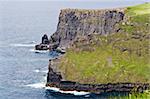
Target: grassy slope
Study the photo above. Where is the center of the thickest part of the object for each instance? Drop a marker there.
(121, 57)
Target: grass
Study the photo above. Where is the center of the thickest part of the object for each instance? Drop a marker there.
(139, 9)
(145, 95)
(104, 66)
(120, 57)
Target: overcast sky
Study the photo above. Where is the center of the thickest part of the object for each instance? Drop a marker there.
(79, 0)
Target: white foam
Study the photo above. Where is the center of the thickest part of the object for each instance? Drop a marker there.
(37, 70)
(53, 89)
(42, 71)
(37, 85)
(45, 78)
(77, 93)
(42, 85)
(23, 45)
(39, 51)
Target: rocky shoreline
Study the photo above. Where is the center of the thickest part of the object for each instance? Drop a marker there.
(55, 79)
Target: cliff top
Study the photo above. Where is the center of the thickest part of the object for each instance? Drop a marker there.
(140, 9)
(91, 10)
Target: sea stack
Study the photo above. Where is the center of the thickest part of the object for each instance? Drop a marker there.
(45, 39)
(44, 45)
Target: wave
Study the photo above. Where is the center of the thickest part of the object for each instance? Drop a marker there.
(76, 93)
(44, 71)
(41, 85)
(54, 89)
(39, 51)
(23, 45)
(38, 70)
(37, 85)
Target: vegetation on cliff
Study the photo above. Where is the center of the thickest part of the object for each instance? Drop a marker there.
(118, 57)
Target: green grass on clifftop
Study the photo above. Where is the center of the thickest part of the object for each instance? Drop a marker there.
(121, 57)
(140, 9)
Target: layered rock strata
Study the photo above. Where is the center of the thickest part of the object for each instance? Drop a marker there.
(55, 79)
(75, 23)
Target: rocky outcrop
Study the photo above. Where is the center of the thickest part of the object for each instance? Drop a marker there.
(74, 23)
(101, 88)
(55, 79)
(41, 47)
(44, 45)
(45, 39)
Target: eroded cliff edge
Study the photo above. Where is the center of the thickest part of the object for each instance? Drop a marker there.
(75, 23)
(112, 40)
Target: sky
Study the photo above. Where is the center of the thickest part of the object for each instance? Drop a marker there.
(77, 0)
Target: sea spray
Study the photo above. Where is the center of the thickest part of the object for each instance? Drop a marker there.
(77, 93)
(22, 45)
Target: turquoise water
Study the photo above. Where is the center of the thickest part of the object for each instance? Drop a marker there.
(22, 71)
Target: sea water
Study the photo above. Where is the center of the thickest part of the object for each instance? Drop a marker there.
(22, 23)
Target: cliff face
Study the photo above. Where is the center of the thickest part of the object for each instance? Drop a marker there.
(54, 79)
(73, 23)
(96, 63)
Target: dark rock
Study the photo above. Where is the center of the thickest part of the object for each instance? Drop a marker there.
(45, 39)
(44, 44)
(53, 46)
(42, 47)
(74, 22)
(53, 77)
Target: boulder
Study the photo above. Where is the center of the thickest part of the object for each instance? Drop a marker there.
(41, 47)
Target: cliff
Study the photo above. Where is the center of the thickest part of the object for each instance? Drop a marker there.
(109, 47)
(117, 57)
(54, 79)
(74, 23)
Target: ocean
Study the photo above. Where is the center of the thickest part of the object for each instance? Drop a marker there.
(22, 23)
